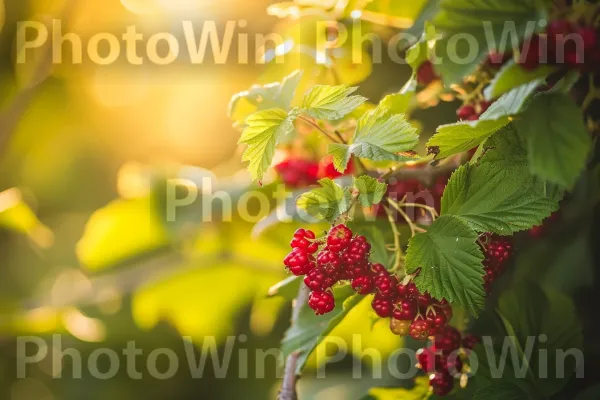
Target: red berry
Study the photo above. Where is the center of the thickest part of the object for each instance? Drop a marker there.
(377, 268)
(424, 300)
(419, 329)
(317, 279)
(465, 112)
(588, 36)
(386, 284)
(426, 73)
(426, 359)
(305, 239)
(530, 53)
(447, 340)
(557, 29)
(321, 302)
(441, 383)
(330, 262)
(404, 309)
(357, 269)
(437, 321)
(298, 172)
(363, 284)
(299, 262)
(382, 306)
(339, 238)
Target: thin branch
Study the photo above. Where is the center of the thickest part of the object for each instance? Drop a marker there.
(315, 125)
(288, 386)
(396, 232)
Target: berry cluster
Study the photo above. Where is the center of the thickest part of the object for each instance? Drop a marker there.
(559, 45)
(426, 73)
(497, 251)
(343, 257)
(298, 172)
(472, 112)
(442, 361)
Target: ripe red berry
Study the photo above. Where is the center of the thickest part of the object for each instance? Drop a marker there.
(400, 327)
(305, 239)
(382, 306)
(447, 340)
(321, 302)
(407, 291)
(465, 112)
(426, 359)
(299, 262)
(317, 279)
(386, 284)
(339, 238)
(530, 53)
(426, 73)
(298, 172)
(437, 321)
(419, 329)
(441, 383)
(330, 262)
(363, 284)
(404, 310)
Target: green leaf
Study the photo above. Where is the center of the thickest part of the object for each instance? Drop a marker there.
(501, 391)
(512, 75)
(262, 97)
(310, 329)
(418, 53)
(398, 103)
(449, 260)
(455, 138)
(327, 202)
(341, 155)
(380, 136)
(557, 139)
(498, 193)
(331, 102)
(527, 311)
(457, 18)
(371, 191)
(264, 129)
(462, 136)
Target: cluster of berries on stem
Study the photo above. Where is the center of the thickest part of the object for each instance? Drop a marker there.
(564, 42)
(297, 172)
(442, 360)
(497, 250)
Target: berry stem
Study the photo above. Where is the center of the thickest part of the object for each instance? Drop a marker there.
(315, 125)
(397, 248)
(413, 228)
